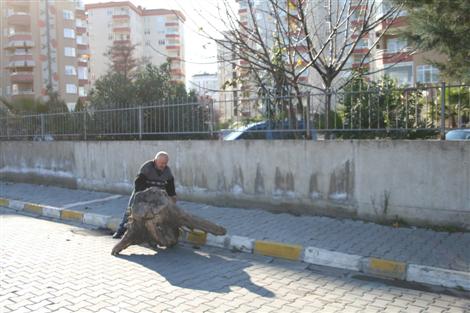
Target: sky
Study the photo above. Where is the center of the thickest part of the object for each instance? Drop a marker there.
(199, 14)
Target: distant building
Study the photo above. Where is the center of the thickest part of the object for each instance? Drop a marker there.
(391, 55)
(205, 84)
(227, 98)
(43, 43)
(158, 35)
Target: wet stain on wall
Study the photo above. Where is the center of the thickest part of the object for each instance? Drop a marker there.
(284, 182)
(342, 182)
(259, 180)
(221, 183)
(201, 180)
(237, 178)
(314, 190)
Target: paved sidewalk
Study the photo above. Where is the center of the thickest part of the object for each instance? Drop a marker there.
(442, 250)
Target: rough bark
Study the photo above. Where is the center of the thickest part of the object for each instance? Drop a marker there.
(155, 219)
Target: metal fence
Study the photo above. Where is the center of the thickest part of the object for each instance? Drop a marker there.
(424, 112)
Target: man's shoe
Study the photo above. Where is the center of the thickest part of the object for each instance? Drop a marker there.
(119, 233)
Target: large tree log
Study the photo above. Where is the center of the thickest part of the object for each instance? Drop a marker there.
(157, 220)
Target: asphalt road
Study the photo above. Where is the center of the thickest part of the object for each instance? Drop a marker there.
(48, 266)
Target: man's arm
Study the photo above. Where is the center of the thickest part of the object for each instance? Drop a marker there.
(170, 189)
(140, 183)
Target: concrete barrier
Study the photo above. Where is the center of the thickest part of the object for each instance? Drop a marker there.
(420, 182)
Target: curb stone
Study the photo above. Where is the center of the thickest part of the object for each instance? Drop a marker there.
(311, 255)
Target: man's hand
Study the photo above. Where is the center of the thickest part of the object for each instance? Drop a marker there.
(173, 199)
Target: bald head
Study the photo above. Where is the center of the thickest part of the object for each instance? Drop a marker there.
(161, 160)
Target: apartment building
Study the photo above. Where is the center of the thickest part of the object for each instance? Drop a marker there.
(392, 55)
(234, 73)
(157, 34)
(227, 97)
(205, 84)
(43, 43)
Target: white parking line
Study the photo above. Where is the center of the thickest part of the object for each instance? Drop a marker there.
(67, 206)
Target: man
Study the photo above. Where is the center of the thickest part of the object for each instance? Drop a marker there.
(153, 173)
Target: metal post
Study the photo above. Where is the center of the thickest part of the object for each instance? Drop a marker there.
(307, 118)
(211, 117)
(42, 126)
(140, 123)
(8, 129)
(443, 110)
(84, 124)
(406, 108)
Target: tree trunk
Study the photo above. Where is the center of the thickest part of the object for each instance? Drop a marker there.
(155, 219)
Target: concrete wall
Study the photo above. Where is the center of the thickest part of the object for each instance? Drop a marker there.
(421, 182)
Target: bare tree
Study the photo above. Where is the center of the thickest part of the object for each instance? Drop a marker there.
(289, 46)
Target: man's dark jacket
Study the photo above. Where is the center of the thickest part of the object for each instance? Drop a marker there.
(150, 176)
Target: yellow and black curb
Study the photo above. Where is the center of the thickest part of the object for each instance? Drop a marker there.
(370, 265)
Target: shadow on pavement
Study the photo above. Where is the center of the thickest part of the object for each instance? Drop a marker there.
(186, 268)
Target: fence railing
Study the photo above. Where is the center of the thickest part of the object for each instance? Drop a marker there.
(424, 112)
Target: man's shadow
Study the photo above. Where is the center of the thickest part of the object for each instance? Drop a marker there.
(187, 268)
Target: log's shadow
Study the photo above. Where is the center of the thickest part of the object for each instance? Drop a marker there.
(186, 268)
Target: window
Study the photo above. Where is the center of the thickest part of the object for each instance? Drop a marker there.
(160, 25)
(82, 73)
(172, 30)
(69, 33)
(69, 52)
(71, 88)
(68, 15)
(70, 70)
(80, 40)
(362, 43)
(395, 45)
(110, 36)
(21, 52)
(427, 74)
(173, 42)
(402, 74)
(82, 92)
(71, 106)
(161, 42)
(109, 12)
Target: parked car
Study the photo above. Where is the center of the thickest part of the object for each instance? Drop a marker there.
(458, 134)
(268, 130)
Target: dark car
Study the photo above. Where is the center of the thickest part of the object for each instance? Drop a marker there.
(458, 134)
(268, 130)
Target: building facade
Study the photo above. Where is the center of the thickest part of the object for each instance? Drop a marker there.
(158, 35)
(205, 84)
(391, 55)
(44, 45)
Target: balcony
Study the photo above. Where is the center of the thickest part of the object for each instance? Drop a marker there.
(20, 36)
(174, 47)
(24, 63)
(122, 42)
(121, 16)
(83, 49)
(392, 56)
(14, 44)
(83, 61)
(22, 93)
(121, 29)
(22, 77)
(19, 18)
